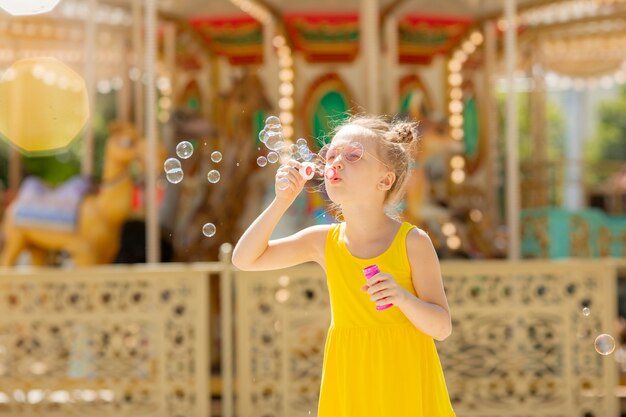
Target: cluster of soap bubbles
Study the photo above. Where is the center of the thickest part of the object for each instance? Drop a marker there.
(214, 175)
(173, 169)
(279, 149)
(174, 174)
(604, 343)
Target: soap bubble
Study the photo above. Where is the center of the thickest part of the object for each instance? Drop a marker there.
(261, 161)
(171, 164)
(209, 230)
(174, 176)
(274, 128)
(213, 176)
(308, 156)
(263, 136)
(586, 311)
(605, 344)
(284, 154)
(272, 121)
(282, 184)
(184, 149)
(274, 140)
(272, 157)
(216, 156)
(301, 143)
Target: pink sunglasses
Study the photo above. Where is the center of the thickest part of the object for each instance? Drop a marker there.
(352, 152)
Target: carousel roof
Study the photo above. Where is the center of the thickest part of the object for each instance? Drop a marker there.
(474, 9)
(575, 35)
(328, 30)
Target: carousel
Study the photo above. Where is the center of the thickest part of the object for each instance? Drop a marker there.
(134, 131)
(211, 75)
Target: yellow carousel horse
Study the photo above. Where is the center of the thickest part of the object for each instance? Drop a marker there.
(86, 226)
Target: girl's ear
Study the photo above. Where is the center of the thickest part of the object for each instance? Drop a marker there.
(387, 181)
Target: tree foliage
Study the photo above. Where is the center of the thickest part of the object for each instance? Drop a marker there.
(610, 141)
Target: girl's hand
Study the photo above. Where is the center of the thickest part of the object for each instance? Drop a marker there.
(289, 182)
(385, 290)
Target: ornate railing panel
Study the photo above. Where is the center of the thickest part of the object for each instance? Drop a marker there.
(282, 318)
(520, 346)
(104, 342)
(555, 233)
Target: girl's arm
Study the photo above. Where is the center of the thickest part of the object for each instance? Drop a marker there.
(255, 251)
(430, 312)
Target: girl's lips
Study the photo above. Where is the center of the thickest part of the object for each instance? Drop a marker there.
(332, 175)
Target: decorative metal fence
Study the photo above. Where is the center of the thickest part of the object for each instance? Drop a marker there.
(104, 342)
(520, 346)
(133, 341)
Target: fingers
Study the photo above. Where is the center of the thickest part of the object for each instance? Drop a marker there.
(379, 281)
(291, 171)
(381, 295)
(289, 182)
(384, 286)
(384, 290)
(286, 175)
(293, 163)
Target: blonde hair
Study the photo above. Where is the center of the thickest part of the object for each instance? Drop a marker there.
(396, 141)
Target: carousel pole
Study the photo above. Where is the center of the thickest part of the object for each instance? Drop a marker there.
(90, 82)
(138, 52)
(493, 158)
(538, 112)
(169, 49)
(123, 94)
(270, 61)
(152, 216)
(390, 28)
(391, 62)
(15, 157)
(512, 135)
(369, 44)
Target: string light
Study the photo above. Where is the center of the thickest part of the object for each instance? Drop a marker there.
(286, 88)
(254, 9)
(565, 82)
(457, 162)
(565, 11)
(459, 56)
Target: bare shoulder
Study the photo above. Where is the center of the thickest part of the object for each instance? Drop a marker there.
(418, 240)
(420, 249)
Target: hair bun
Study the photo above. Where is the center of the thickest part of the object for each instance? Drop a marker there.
(405, 132)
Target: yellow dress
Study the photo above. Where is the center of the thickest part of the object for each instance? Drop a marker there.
(376, 363)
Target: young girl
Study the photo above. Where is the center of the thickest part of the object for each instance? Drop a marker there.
(378, 362)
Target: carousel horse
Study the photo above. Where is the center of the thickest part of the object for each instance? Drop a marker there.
(85, 225)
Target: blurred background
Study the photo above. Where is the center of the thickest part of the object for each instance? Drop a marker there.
(133, 154)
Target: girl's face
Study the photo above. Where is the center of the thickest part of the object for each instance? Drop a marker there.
(353, 167)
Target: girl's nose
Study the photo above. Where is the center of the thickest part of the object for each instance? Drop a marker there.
(338, 162)
(338, 166)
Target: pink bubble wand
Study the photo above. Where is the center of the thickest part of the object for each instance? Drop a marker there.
(369, 272)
